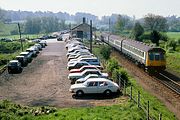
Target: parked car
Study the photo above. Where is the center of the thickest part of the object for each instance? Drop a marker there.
(27, 55)
(6, 40)
(81, 80)
(14, 66)
(22, 60)
(94, 86)
(76, 65)
(38, 46)
(33, 51)
(74, 76)
(78, 57)
(90, 60)
(76, 52)
(60, 38)
(77, 48)
(83, 68)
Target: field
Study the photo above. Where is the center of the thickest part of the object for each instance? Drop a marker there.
(175, 35)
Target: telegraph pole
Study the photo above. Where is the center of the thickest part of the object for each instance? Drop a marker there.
(20, 36)
(91, 36)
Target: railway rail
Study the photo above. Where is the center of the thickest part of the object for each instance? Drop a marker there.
(169, 82)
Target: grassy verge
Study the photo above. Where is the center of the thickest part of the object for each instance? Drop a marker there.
(173, 60)
(124, 111)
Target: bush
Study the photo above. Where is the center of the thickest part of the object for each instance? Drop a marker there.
(105, 51)
(171, 44)
(111, 65)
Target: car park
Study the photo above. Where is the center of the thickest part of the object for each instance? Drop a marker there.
(14, 66)
(74, 76)
(95, 86)
(60, 38)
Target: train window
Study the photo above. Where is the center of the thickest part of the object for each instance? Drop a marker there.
(151, 56)
(157, 57)
(162, 56)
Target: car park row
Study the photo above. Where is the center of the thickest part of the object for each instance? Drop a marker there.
(85, 71)
(22, 60)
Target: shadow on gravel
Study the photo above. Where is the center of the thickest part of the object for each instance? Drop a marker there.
(97, 96)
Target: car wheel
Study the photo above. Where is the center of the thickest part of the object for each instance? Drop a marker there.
(79, 93)
(107, 92)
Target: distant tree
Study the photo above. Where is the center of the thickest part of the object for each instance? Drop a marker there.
(137, 31)
(122, 23)
(2, 15)
(50, 24)
(155, 22)
(33, 26)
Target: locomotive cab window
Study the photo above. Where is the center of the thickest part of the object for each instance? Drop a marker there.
(157, 56)
(151, 56)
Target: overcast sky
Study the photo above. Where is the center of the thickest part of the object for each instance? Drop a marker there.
(139, 8)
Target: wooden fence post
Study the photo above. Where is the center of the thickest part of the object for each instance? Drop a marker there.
(119, 77)
(131, 93)
(124, 87)
(138, 101)
(160, 116)
(148, 111)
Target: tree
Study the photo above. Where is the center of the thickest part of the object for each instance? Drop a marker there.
(137, 31)
(155, 22)
(2, 15)
(123, 22)
(155, 37)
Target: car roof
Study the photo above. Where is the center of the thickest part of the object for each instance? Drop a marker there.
(24, 53)
(98, 79)
(20, 56)
(14, 61)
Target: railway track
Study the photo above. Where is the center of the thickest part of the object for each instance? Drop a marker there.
(169, 82)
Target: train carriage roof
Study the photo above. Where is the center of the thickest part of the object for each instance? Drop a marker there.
(142, 46)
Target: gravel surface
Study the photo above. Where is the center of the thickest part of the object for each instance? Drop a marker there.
(44, 82)
(167, 96)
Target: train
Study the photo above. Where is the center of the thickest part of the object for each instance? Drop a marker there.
(151, 58)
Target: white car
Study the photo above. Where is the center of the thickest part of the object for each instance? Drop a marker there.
(74, 76)
(76, 51)
(81, 80)
(71, 56)
(78, 57)
(95, 85)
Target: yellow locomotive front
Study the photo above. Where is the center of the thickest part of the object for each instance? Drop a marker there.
(155, 60)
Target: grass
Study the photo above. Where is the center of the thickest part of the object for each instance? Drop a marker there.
(16, 37)
(175, 35)
(173, 60)
(125, 111)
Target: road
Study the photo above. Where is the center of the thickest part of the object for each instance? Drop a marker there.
(44, 82)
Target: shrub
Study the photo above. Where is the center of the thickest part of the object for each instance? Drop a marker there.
(111, 65)
(105, 51)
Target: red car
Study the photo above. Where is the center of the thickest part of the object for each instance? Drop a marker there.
(83, 68)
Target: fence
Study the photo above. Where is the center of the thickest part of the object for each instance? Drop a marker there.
(141, 102)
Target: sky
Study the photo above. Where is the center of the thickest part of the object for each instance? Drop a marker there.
(138, 8)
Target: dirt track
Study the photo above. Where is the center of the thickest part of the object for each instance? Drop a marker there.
(44, 82)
